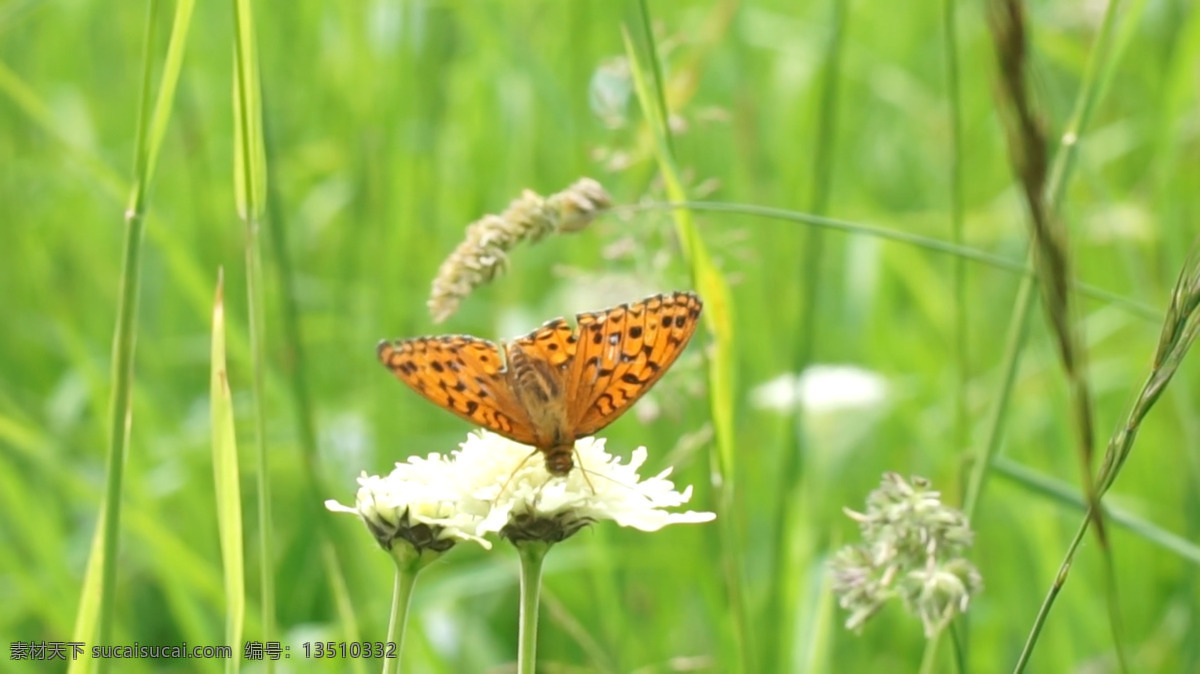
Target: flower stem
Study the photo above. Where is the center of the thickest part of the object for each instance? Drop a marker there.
(532, 553)
(406, 579)
(929, 657)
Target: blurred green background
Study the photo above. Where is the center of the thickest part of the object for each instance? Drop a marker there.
(391, 125)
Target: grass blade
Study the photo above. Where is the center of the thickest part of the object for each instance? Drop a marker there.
(295, 370)
(1061, 492)
(1044, 188)
(793, 542)
(227, 482)
(1139, 309)
(95, 617)
(249, 186)
(718, 317)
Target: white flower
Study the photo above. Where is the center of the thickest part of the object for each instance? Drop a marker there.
(525, 501)
(493, 484)
(419, 502)
(822, 389)
(838, 404)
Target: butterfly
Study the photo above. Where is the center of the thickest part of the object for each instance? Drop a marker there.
(556, 384)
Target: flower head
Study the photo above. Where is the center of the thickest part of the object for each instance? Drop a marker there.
(524, 502)
(495, 485)
(823, 389)
(419, 503)
(912, 549)
(838, 404)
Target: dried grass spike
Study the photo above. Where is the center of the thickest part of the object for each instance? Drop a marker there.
(578, 205)
(529, 217)
(483, 254)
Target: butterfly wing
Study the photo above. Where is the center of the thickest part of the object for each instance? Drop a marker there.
(621, 352)
(464, 375)
(553, 343)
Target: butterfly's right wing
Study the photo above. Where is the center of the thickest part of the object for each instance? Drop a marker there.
(462, 374)
(623, 351)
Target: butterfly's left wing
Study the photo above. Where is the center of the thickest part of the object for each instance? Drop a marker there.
(464, 375)
(621, 353)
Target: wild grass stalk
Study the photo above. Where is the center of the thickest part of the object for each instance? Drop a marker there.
(249, 187)
(1180, 328)
(1042, 186)
(95, 615)
(788, 566)
(1027, 143)
(718, 315)
(955, 192)
(1060, 492)
(962, 362)
(295, 369)
(1058, 175)
(1134, 307)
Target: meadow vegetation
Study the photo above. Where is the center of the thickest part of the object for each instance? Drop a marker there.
(860, 195)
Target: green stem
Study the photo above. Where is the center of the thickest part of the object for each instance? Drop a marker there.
(1097, 72)
(929, 657)
(788, 568)
(258, 366)
(532, 554)
(124, 341)
(1014, 343)
(406, 580)
(1044, 611)
(709, 280)
(248, 180)
(959, 284)
(907, 238)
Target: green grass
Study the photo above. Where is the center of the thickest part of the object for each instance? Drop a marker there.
(390, 126)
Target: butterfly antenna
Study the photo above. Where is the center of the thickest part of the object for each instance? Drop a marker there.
(583, 471)
(610, 479)
(511, 475)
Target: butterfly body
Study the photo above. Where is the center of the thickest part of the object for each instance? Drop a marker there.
(538, 387)
(557, 384)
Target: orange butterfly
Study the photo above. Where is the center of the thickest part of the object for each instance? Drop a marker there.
(555, 384)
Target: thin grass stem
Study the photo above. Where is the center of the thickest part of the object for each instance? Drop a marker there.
(1095, 76)
(713, 287)
(788, 569)
(120, 418)
(1135, 308)
(958, 284)
(1062, 493)
(959, 270)
(295, 370)
(249, 182)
